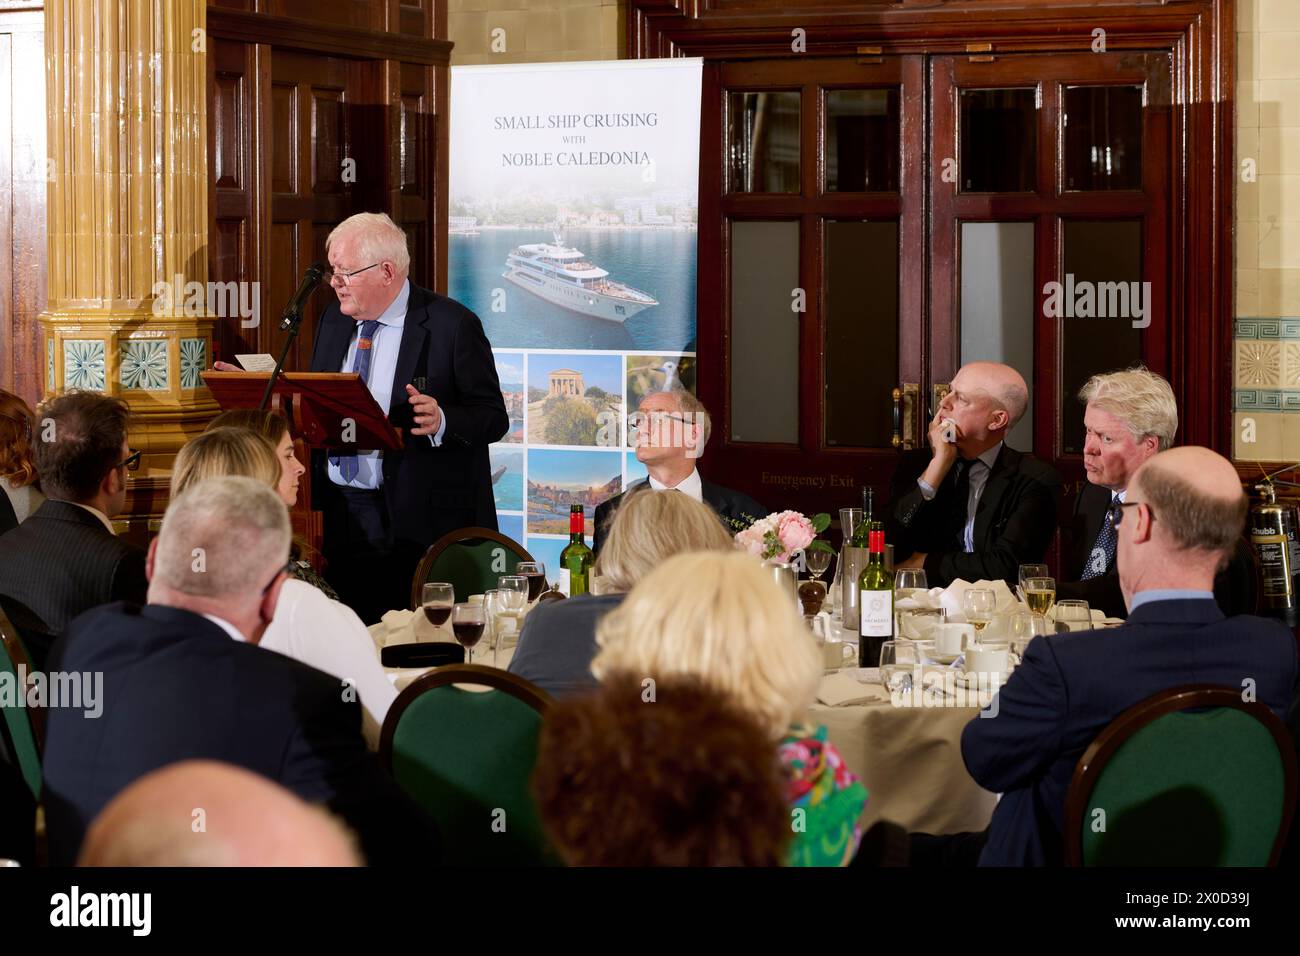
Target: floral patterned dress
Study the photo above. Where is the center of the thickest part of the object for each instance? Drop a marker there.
(826, 833)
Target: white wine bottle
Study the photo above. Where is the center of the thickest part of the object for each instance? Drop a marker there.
(875, 601)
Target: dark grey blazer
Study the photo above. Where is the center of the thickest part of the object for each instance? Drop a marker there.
(730, 506)
(58, 563)
(558, 643)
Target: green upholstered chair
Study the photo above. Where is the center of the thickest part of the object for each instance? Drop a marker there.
(22, 725)
(469, 559)
(467, 757)
(1193, 776)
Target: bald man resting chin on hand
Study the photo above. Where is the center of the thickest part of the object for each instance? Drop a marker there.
(972, 507)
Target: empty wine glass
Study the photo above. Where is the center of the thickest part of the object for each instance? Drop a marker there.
(978, 604)
(467, 622)
(818, 562)
(437, 598)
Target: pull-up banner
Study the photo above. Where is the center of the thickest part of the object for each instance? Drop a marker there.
(574, 207)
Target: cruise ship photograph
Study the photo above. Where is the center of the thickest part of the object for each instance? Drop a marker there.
(562, 275)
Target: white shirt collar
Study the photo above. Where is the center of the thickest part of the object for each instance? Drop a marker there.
(229, 628)
(98, 514)
(692, 486)
(395, 314)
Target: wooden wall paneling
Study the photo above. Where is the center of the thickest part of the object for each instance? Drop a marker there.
(23, 252)
(1187, 246)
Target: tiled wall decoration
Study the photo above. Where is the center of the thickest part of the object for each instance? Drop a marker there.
(83, 364)
(194, 359)
(1266, 393)
(144, 364)
(1266, 386)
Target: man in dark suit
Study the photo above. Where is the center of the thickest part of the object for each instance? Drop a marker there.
(1183, 513)
(183, 678)
(672, 429)
(8, 517)
(429, 366)
(1130, 416)
(971, 507)
(65, 558)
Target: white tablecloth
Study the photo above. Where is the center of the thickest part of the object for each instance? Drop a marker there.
(909, 758)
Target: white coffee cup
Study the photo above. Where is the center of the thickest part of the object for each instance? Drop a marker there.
(837, 654)
(951, 638)
(988, 661)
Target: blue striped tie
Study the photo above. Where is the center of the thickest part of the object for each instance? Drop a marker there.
(348, 464)
(1102, 555)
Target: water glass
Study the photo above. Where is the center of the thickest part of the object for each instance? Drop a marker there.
(897, 661)
(1073, 616)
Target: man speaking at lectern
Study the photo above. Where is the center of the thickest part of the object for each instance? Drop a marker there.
(428, 364)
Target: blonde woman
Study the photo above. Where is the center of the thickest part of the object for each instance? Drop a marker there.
(274, 428)
(308, 626)
(559, 639)
(722, 619)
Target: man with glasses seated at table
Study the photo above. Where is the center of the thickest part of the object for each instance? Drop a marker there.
(672, 429)
(970, 506)
(1131, 415)
(1183, 513)
(66, 558)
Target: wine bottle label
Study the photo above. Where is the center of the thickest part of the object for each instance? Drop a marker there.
(876, 613)
(564, 581)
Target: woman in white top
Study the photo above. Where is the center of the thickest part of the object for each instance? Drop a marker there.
(308, 626)
(17, 466)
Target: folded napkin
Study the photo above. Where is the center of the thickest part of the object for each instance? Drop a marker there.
(842, 690)
(406, 627)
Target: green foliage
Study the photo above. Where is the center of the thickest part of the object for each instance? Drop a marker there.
(570, 421)
(595, 391)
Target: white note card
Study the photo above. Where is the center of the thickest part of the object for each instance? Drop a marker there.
(257, 363)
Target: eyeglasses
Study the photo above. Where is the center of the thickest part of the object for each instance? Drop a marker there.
(132, 462)
(1117, 512)
(637, 419)
(290, 566)
(345, 278)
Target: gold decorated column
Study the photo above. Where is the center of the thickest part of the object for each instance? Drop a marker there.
(127, 192)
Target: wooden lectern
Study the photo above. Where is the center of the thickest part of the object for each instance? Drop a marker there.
(331, 410)
(324, 409)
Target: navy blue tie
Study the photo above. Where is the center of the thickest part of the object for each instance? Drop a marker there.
(348, 464)
(1102, 555)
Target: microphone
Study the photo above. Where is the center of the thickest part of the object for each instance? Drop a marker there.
(292, 314)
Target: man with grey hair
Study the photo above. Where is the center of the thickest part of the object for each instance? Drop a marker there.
(1129, 417)
(428, 364)
(970, 506)
(183, 678)
(672, 429)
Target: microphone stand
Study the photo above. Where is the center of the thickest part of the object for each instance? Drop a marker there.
(293, 316)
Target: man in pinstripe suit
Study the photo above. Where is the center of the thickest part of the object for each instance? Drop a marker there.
(65, 558)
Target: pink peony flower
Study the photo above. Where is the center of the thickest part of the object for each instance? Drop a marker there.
(795, 531)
